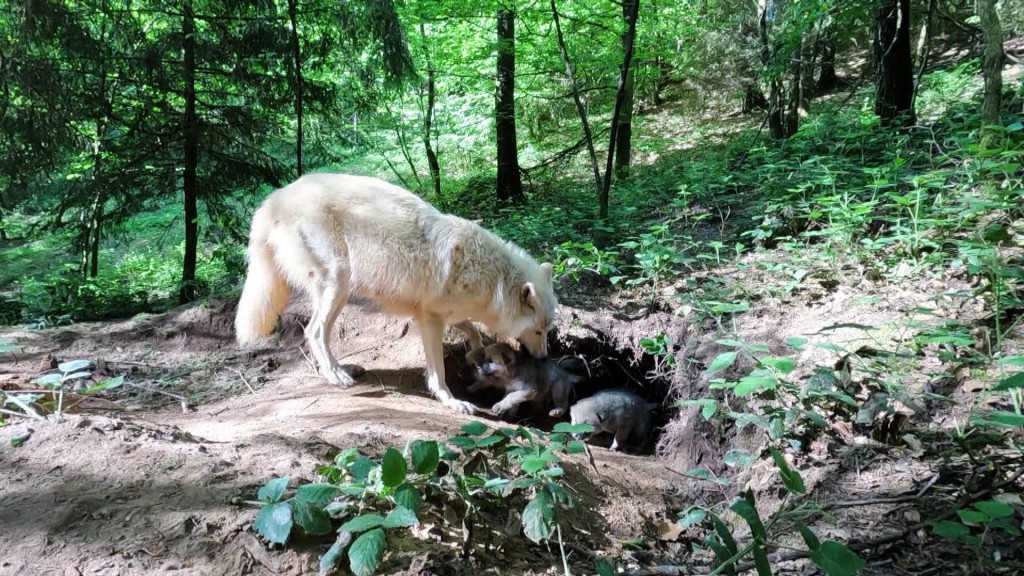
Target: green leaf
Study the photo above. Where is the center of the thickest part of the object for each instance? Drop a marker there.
(106, 384)
(790, 478)
(360, 468)
(425, 456)
(994, 509)
(723, 533)
(462, 442)
(731, 343)
(409, 497)
(273, 491)
(49, 380)
(951, 530)
(1012, 361)
(330, 558)
(566, 428)
(533, 465)
(393, 468)
(604, 567)
(575, 447)
(1010, 383)
(274, 522)
(835, 559)
(362, 523)
(745, 508)
(692, 517)
(999, 418)
(316, 494)
(310, 518)
(783, 364)
(400, 517)
(490, 440)
(755, 382)
(723, 361)
(797, 343)
(73, 366)
(366, 552)
(810, 538)
(854, 325)
(538, 517)
(972, 517)
(474, 428)
(708, 406)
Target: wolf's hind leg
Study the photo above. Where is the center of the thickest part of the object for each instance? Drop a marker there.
(432, 332)
(328, 301)
(472, 334)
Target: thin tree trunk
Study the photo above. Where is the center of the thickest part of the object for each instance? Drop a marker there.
(924, 49)
(624, 135)
(894, 97)
(571, 73)
(509, 182)
(828, 80)
(190, 130)
(298, 82)
(620, 97)
(808, 61)
(991, 61)
(428, 121)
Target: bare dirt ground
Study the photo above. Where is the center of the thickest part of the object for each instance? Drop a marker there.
(142, 481)
(148, 479)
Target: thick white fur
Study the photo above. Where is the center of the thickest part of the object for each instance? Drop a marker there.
(334, 236)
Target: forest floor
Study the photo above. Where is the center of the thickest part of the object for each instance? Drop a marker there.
(148, 478)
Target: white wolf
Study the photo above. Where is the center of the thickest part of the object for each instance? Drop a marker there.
(335, 236)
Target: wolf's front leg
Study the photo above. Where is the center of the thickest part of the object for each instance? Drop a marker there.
(510, 403)
(432, 332)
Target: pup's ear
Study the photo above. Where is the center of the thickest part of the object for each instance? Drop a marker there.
(547, 270)
(600, 417)
(528, 295)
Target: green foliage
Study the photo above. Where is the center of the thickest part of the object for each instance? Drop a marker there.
(71, 376)
(480, 472)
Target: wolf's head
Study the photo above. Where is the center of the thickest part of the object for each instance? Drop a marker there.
(537, 304)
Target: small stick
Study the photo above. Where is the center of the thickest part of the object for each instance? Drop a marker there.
(244, 380)
(886, 500)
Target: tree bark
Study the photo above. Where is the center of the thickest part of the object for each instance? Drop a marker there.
(509, 182)
(428, 122)
(620, 97)
(991, 61)
(190, 132)
(828, 80)
(624, 135)
(588, 135)
(894, 95)
(782, 103)
(297, 82)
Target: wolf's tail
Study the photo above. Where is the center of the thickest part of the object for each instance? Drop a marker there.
(266, 292)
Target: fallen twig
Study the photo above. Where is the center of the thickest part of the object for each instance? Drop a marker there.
(244, 380)
(886, 500)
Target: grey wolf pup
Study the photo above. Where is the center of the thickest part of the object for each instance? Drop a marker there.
(620, 412)
(524, 379)
(334, 236)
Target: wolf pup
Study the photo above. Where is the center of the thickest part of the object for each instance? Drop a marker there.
(620, 412)
(523, 379)
(335, 236)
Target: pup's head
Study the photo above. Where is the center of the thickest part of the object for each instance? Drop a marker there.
(582, 414)
(492, 363)
(537, 303)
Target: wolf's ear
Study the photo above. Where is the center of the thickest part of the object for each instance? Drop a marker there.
(547, 270)
(528, 295)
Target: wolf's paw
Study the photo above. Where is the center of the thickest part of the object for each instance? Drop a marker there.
(460, 406)
(340, 377)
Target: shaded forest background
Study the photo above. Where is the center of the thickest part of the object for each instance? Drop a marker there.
(139, 136)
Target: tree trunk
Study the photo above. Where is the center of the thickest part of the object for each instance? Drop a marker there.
(782, 102)
(510, 183)
(624, 136)
(620, 98)
(808, 61)
(588, 135)
(190, 132)
(753, 99)
(991, 61)
(297, 82)
(894, 95)
(428, 122)
(828, 80)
